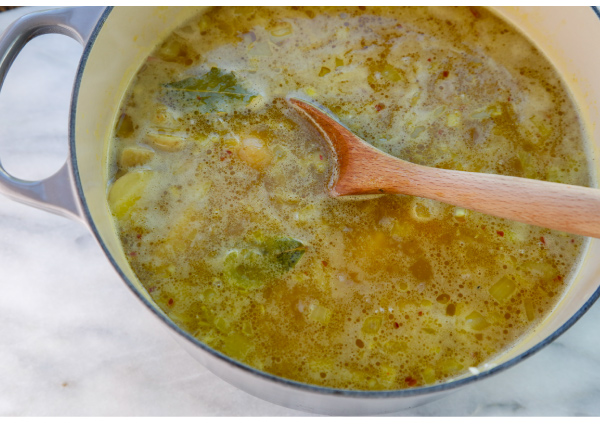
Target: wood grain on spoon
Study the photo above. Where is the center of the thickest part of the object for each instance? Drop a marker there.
(363, 169)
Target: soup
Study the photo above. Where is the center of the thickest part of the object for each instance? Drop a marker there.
(219, 190)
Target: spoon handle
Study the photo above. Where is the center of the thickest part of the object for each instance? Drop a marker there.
(563, 207)
(360, 168)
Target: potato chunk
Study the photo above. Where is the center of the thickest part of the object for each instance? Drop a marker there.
(126, 191)
(254, 152)
(165, 142)
(135, 156)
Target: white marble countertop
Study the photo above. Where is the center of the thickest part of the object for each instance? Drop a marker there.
(75, 341)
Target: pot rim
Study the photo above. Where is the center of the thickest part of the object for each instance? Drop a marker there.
(404, 393)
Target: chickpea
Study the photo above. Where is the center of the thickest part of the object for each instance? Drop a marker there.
(254, 152)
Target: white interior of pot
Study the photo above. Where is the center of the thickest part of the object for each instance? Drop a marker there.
(130, 34)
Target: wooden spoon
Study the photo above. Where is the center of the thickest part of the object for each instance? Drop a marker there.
(363, 169)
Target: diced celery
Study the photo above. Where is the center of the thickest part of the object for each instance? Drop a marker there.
(484, 114)
(247, 328)
(223, 325)
(237, 346)
(391, 73)
(417, 132)
(428, 375)
(394, 347)
(494, 110)
(540, 270)
(209, 295)
(438, 111)
(460, 214)
(324, 71)
(557, 175)
(320, 314)
(529, 309)
(401, 229)
(415, 98)
(372, 325)
(310, 91)
(453, 119)
(543, 129)
(387, 374)
(475, 321)
(503, 289)
(450, 366)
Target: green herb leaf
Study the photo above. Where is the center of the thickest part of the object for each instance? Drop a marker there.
(215, 91)
(286, 251)
(267, 260)
(247, 268)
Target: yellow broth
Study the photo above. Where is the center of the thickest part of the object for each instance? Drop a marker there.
(219, 190)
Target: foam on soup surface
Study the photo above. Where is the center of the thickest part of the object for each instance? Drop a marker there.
(219, 190)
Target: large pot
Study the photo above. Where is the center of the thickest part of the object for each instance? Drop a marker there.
(116, 42)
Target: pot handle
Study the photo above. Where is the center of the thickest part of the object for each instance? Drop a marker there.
(57, 193)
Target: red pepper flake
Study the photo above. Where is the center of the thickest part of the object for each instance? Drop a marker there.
(321, 157)
(420, 313)
(228, 152)
(445, 74)
(132, 253)
(429, 60)
(396, 325)
(379, 107)
(483, 227)
(410, 381)
(500, 233)
(543, 240)
(509, 99)
(151, 289)
(139, 236)
(572, 240)
(324, 263)
(170, 302)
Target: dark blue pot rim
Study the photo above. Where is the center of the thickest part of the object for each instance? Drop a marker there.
(293, 384)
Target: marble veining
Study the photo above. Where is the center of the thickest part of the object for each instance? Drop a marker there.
(75, 341)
